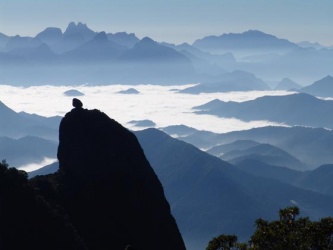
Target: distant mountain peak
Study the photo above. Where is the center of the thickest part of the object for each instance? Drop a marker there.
(147, 40)
(101, 36)
(73, 28)
(328, 77)
(248, 40)
(322, 87)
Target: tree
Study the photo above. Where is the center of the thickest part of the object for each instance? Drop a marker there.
(291, 233)
(222, 242)
(287, 233)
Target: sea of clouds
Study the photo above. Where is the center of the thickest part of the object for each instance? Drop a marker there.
(161, 104)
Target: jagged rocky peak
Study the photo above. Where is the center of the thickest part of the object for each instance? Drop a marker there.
(107, 174)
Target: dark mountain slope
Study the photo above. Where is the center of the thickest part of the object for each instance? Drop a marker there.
(268, 154)
(17, 125)
(104, 166)
(312, 146)
(209, 196)
(261, 169)
(322, 87)
(319, 180)
(26, 150)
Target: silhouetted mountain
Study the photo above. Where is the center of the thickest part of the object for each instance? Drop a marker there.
(202, 66)
(219, 59)
(73, 92)
(246, 149)
(51, 122)
(312, 146)
(123, 39)
(296, 109)
(147, 50)
(204, 62)
(50, 36)
(3, 40)
(124, 190)
(268, 154)
(142, 123)
(307, 61)
(261, 169)
(99, 49)
(40, 54)
(200, 139)
(234, 81)
(208, 195)
(220, 150)
(79, 29)
(74, 36)
(129, 91)
(287, 84)
(307, 44)
(17, 125)
(102, 195)
(318, 180)
(151, 62)
(266, 56)
(322, 87)
(249, 40)
(26, 150)
(18, 42)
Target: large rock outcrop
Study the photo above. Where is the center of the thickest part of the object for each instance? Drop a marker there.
(112, 192)
(104, 196)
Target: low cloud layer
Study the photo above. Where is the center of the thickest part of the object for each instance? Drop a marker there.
(161, 104)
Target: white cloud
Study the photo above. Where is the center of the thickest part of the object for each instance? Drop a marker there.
(34, 166)
(160, 104)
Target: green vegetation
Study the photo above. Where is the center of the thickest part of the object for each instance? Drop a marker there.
(288, 233)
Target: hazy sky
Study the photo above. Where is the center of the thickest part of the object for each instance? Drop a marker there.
(174, 21)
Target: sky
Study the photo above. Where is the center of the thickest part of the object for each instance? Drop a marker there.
(174, 21)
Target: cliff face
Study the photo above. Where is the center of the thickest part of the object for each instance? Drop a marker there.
(104, 196)
(111, 191)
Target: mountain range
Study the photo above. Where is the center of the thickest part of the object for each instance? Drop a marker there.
(79, 55)
(214, 190)
(295, 109)
(247, 41)
(312, 146)
(245, 149)
(21, 124)
(321, 88)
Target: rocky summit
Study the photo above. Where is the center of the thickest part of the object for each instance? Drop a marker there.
(104, 196)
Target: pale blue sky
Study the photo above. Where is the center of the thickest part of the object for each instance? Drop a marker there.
(174, 21)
